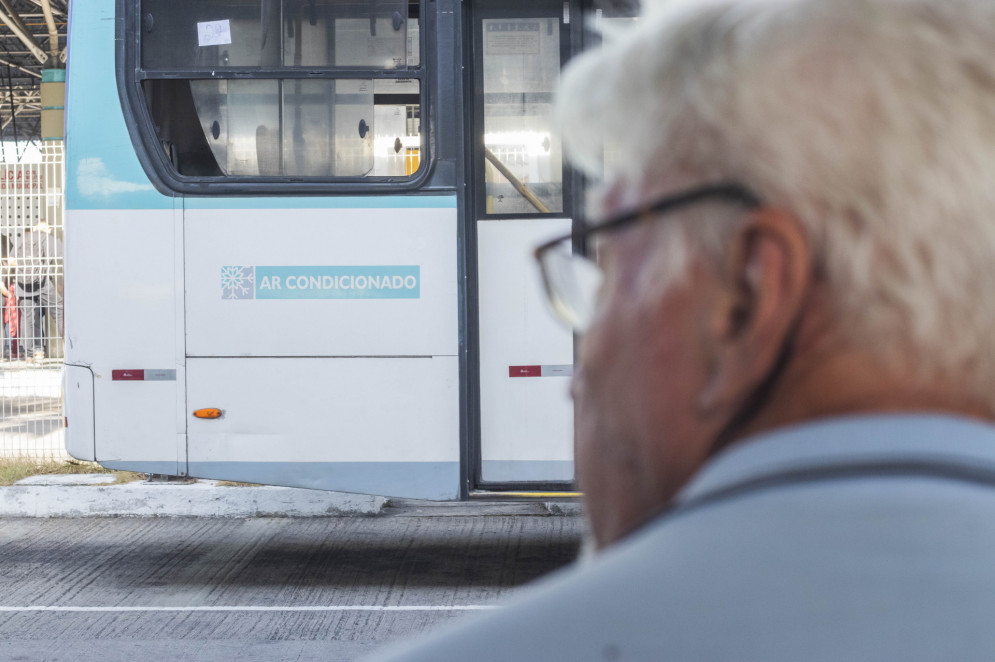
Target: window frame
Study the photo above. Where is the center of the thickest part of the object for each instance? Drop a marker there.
(155, 161)
(516, 10)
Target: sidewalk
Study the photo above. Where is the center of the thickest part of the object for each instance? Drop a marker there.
(91, 495)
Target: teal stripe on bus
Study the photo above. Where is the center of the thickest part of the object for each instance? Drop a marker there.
(102, 170)
(344, 202)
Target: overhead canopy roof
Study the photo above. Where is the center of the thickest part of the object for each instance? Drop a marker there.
(32, 38)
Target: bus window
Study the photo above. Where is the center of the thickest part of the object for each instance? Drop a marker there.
(610, 22)
(288, 127)
(521, 61)
(270, 33)
(346, 34)
(284, 88)
(396, 143)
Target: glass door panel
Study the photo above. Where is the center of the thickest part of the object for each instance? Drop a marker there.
(522, 150)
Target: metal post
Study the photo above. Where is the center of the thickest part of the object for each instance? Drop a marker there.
(53, 34)
(13, 109)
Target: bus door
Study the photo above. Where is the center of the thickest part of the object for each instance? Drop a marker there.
(521, 197)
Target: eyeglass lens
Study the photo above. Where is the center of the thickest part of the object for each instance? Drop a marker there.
(572, 282)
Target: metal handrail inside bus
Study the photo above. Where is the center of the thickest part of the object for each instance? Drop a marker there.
(517, 183)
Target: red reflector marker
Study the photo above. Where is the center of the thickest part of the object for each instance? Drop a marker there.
(145, 375)
(540, 370)
(127, 375)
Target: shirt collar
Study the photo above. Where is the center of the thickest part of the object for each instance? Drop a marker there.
(849, 440)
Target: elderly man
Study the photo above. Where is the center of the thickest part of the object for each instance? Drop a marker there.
(786, 370)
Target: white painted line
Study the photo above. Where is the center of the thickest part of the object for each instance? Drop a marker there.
(251, 608)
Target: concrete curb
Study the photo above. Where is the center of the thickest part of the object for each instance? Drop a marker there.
(200, 499)
(87, 496)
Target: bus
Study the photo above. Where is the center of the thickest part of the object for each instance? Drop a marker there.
(298, 239)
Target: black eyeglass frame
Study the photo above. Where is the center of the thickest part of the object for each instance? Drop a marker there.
(725, 191)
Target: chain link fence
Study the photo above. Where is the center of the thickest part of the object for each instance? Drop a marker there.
(31, 275)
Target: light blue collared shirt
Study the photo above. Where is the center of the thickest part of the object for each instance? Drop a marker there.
(851, 538)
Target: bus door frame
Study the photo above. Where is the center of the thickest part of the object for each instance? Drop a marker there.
(572, 39)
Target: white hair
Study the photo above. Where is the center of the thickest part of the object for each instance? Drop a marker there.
(872, 121)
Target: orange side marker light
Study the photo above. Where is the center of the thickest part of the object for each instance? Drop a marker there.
(209, 413)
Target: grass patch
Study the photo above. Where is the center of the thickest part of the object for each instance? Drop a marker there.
(13, 470)
(233, 483)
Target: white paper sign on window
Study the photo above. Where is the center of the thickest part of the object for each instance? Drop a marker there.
(214, 33)
(512, 38)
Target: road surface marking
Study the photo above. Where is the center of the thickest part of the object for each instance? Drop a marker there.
(252, 608)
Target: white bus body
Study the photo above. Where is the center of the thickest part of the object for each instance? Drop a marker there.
(383, 336)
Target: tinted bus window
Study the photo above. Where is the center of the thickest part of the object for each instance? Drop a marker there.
(271, 33)
(284, 88)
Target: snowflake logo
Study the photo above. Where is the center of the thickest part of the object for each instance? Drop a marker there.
(238, 282)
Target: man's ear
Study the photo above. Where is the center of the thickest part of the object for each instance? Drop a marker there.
(765, 279)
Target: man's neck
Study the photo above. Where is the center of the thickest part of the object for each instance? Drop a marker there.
(855, 383)
(828, 375)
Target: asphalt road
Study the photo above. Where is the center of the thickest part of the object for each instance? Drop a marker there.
(257, 589)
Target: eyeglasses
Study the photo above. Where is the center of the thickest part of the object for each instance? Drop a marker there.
(572, 280)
